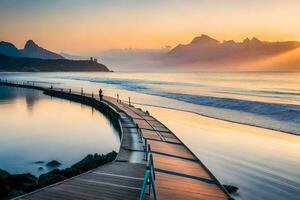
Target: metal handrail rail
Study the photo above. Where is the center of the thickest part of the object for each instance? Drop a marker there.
(151, 166)
(149, 178)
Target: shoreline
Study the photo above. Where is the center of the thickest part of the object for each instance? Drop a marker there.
(216, 118)
(24, 183)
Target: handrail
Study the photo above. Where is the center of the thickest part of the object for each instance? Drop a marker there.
(149, 178)
(151, 166)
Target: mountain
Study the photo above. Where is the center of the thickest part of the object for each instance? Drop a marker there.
(17, 64)
(9, 49)
(74, 57)
(32, 50)
(208, 53)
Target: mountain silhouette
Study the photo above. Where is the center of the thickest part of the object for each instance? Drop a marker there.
(22, 64)
(9, 49)
(32, 50)
(34, 58)
(208, 52)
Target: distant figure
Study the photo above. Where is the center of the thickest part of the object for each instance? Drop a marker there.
(70, 90)
(117, 97)
(100, 94)
(51, 88)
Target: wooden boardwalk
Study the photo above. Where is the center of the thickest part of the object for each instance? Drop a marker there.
(179, 174)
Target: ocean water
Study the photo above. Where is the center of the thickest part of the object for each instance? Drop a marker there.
(243, 126)
(269, 100)
(35, 127)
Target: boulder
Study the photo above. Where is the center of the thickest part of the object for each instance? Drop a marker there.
(4, 185)
(15, 185)
(93, 161)
(230, 188)
(53, 163)
(39, 162)
(49, 179)
(70, 172)
(24, 182)
(14, 193)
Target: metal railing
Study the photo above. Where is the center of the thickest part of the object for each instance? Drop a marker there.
(149, 178)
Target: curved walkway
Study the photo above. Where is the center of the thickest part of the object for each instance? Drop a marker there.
(146, 145)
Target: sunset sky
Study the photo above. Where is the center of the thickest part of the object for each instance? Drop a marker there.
(76, 26)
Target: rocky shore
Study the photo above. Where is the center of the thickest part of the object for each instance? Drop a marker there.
(12, 185)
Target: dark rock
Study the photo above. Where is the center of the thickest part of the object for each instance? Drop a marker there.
(86, 164)
(25, 182)
(40, 168)
(14, 193)
(70, 172)
(230, 188)
(39, 162)
(4, 174)
(15, 185)
(49, 178)
(93, 161)
(4, 185)
(53, 163)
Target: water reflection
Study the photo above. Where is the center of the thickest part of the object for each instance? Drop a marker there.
(35, 127)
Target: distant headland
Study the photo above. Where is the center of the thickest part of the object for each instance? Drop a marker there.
(34, 58)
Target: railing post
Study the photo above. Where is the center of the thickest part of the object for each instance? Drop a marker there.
(151, 162)
(139, 132)
(148, 180)
(146, 150)
(81, 91)
(153, 187)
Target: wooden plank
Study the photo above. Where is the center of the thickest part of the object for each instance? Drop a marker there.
(180, 166)
(173, 149)
(181, 188)
(151, 134)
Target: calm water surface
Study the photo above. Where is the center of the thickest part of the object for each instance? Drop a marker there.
(263, 163)
(35, 127)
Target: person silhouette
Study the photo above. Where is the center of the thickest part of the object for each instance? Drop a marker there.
(100, 94)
